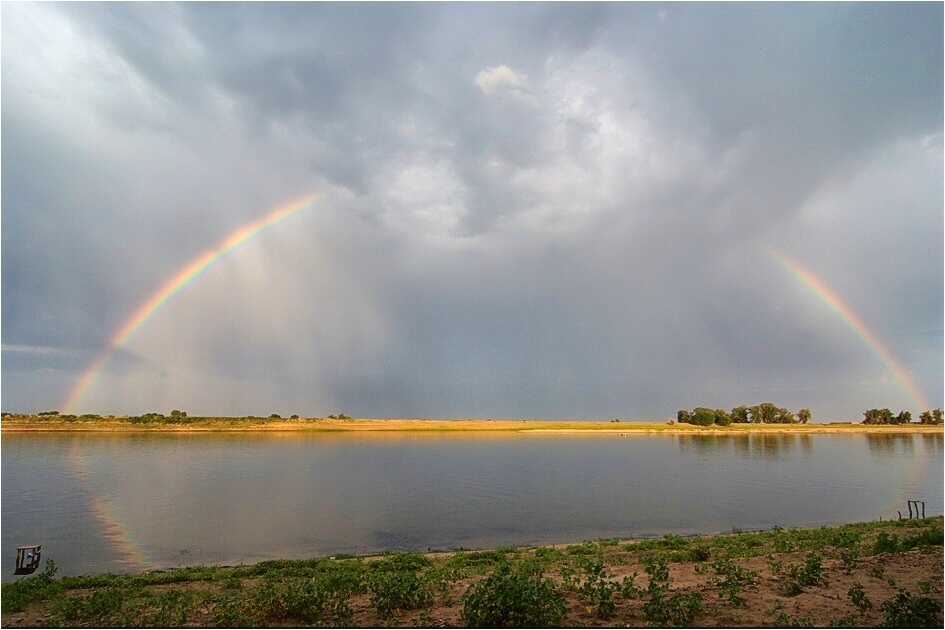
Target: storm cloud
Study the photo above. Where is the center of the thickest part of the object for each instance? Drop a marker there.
(530, 210)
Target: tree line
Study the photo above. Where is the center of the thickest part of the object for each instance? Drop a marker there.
(765, 413)
(885, 416)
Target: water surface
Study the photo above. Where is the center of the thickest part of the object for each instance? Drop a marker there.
(127, 502)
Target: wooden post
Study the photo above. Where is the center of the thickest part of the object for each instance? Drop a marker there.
(909, 503)
(923, 509)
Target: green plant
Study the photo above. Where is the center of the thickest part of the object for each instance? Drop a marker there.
(909, 611)
(848, 557)
(231, 612)
(678, 610)
(811, 574)
(886, 544)
(735, 578)
(784, 620)
(598, 591)
(878, 571)
(699, 554)
(397, 591)
(16, 596)
(514, 597)
(173, 607)
(105, 607)
(301, 600)
(858, 596)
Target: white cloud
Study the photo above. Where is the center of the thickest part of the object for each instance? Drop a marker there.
(502, 80)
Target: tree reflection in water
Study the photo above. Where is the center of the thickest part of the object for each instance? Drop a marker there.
(767, 446)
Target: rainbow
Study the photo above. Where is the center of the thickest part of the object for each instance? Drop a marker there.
(851, 319)
(174, 285)
(129, 555)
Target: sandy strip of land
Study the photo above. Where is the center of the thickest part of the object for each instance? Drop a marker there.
(22, 423)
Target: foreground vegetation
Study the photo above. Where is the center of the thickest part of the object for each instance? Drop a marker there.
(869, 574)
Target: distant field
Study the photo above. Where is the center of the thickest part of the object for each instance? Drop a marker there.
(34, 423)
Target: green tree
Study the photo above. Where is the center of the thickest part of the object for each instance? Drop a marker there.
(740, 415)
(703, 416)
(722, 418)
(684, 417)
(784, 417)
(803, 415)
(768, 413)
(937, 416)
(877, 416)
(904, 417)
(755, 411)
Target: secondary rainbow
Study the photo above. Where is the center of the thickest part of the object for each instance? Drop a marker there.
(856, 323)
(174, 284)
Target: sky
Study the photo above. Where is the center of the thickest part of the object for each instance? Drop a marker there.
(587, 211)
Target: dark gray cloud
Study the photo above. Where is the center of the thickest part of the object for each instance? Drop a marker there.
(538, 210)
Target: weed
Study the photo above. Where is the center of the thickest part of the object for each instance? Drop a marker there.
(173, 606)
(598, 591)
(811, 574)
(398, 591)
(926, 538)
(735, 578)
(699, 554)
(909, 611)
(232, 584)
(234, 613)
(514, 597)
(401, 562)
(846, 621)
(16, 596)
(858, 596)
(628, 590)
(844, 539)
(109, 606)
(886, 544)
(678, 610)
(848, 557)
(776, 566)
(304, 600)
(783, 620)
(475, 562)
(878, 571)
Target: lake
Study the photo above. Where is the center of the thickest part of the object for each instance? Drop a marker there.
(127, 502)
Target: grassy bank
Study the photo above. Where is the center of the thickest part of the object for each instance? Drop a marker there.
(860, 575)
(34, 423)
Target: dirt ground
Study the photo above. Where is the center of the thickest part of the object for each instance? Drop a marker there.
(766, 603)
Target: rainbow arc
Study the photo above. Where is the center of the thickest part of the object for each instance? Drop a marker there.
(183, 277)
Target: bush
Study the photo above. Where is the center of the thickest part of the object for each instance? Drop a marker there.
(909, 611)
(514, 597)
(397, 591)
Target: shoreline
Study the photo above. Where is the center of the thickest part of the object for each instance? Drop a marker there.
(21, 423)
(855, 575)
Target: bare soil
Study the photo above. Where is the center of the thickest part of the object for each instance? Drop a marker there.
(767, 600)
